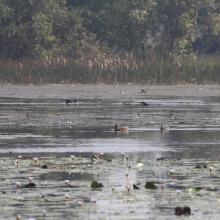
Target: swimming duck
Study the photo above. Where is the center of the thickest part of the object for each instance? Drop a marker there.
(30, 184)
(117, 128)
(144, 103)
(69, 101)
(143, 90)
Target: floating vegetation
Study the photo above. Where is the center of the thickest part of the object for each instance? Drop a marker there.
(44, 166)
(150, 185)
(69, 181)
(51, 152)
(186, 210)
(96, 185)
(195, 189)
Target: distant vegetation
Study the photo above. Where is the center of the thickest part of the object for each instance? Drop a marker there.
(153, 41)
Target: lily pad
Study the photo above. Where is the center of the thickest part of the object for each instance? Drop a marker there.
(150, 185)
(96, 185)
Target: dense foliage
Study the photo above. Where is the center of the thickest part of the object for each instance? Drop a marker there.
(39, 28)
(109, 33)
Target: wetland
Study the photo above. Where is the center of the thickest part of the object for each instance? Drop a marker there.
(62, 148)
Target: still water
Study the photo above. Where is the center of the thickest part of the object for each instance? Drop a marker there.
(35, 121)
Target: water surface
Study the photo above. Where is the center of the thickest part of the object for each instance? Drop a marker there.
(36, 122)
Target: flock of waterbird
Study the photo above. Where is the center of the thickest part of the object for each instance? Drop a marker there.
(163, 128)
(186, 210)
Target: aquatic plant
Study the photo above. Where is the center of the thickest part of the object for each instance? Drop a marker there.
(186, 210)
(110, 68)
(96, 185)
(150, 185)
(44, 166)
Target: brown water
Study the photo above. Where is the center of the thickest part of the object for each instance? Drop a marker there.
(36, 122)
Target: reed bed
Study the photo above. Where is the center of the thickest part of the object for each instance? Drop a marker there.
(103, 68)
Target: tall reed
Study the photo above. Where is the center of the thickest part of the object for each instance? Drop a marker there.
(105, 68)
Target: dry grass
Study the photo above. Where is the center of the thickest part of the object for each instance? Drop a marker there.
(112, 69)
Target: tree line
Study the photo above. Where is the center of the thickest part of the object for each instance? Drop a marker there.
(122, 33)
(73, 28)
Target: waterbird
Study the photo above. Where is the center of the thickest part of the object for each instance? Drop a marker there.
(95, 157)
(211, 169)
(127, 159)
(80, 203)
(118, 128)
(42, 196)
(17, 162)
(144, 103)
(93, 200)
(18, 184)
(164, 128)
(144, 90)
(72, 157)
(162, 186)
(44, 213)
(128, 187)
(30, 184)
(67, 196)
(69, 101)
(122, 158)
(66, 181)
(139, 164)
(35, 159)
(135, 186)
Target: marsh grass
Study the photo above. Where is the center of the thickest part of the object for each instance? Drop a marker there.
(156, 69)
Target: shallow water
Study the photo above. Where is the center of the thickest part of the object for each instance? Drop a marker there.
(36, 122)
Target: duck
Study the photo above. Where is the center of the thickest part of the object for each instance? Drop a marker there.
(30, 184)
(143, 90)
(69, 101)
(144, 103)
(117, 128)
